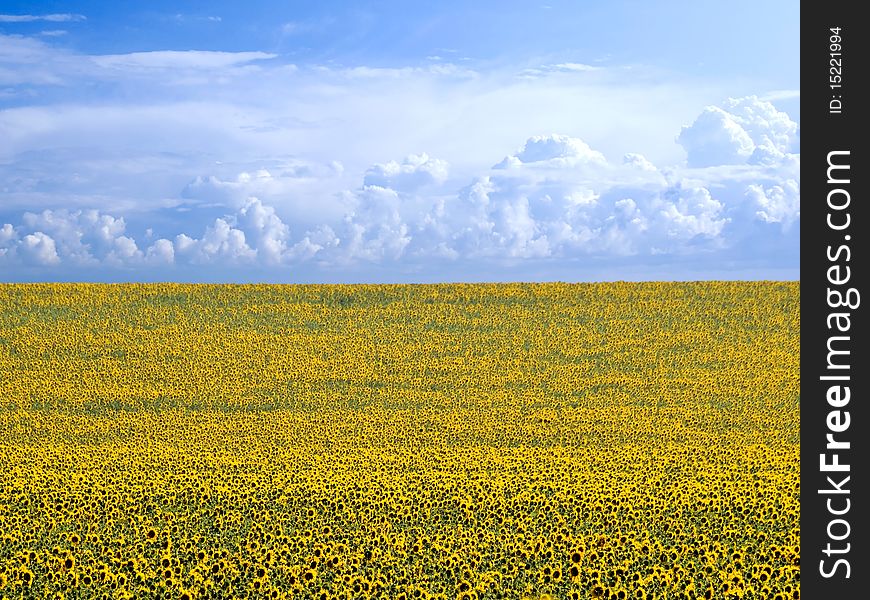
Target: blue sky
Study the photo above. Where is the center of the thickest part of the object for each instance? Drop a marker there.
(383, 141)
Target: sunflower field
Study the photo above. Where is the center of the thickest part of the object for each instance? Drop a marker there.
(461, 441)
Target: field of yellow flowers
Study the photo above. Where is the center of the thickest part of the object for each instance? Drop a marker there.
(619, 440)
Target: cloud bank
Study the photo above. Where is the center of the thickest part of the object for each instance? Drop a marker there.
(175, 164)
(554, 199)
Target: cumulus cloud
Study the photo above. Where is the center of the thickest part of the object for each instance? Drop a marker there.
(777, 203)
(638, 161)
(764, 123)
(716, 138)
(375, 229)
(414, 172)
(126, 132)
(269, 234)
(554, 151)
(38, 248)
(493, 218)
(321, 239)
(744, 130)
(280, 177)
(212, 189)
(161, 252)
(252, 235)
(7, 234)
(221, 242)
(303, 191)
(690, 214)
(82, 238)
(555, 198)
(509, 217)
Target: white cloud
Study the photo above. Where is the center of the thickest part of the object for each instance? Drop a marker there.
(777, 203)
(124, 250)
(7, 234)
(161, 252)
(246, 106)
(54, 18)
(323, 238)
(37, 61)
(228, 192)
(38, 248)
(303, 190)
(270, 235)
(414, 172)
(254, 234)
(373, 74)
(221, 242)
(281, 179)
(746, 130)
(691, 213)
(25, 60)
(178, 59)
(375, 229)
(775, 95)
(555, 69)
(577, 67)
(638, 161)
(526, 217)
(555, 151)
(518, 232)
(716, 138)
(556, 197)
(84, 237)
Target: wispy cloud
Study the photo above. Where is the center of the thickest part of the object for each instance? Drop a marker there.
(174, 59)
(549, 69)
(55, 18)
(775, 95)
(308, 26)
(181, 18)
(295, 28)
